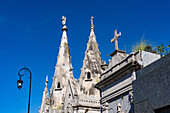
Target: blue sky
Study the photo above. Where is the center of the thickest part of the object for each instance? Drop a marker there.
(30, 33)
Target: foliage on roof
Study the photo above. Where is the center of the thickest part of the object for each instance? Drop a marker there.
(164, 50)
(143, 45)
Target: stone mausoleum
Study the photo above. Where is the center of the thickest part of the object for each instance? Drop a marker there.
(130, 83)
(135, 83)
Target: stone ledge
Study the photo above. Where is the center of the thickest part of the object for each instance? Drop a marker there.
(88, 79)
(58, 89)
(117, 51)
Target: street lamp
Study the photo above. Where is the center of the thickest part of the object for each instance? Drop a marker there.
(20, 82)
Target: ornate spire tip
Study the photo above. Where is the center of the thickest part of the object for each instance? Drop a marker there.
(92, 25)
(46, 81)
(92, 21)
(63, 20)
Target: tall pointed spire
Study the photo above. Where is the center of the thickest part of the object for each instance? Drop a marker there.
(45, 104)
(65, 93)
(91, 69)
(63, 58)
(63, 70)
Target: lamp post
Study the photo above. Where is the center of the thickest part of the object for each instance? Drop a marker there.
(20, 82)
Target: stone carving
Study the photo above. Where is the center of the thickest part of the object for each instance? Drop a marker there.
(118, 108)
(115, 39)
(63, 19)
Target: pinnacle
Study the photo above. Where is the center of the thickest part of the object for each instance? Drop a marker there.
(92, 27)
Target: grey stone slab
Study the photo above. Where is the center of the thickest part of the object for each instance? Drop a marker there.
(152, 84)
(143, 107)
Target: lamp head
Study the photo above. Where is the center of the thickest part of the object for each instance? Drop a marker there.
(19, 83)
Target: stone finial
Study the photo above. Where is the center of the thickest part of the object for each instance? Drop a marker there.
(63, 19)
(92, 25)
(46, 80)
(91, 20)
(116, 36)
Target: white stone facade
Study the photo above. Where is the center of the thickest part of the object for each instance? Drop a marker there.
(116, 80)
(66, 94)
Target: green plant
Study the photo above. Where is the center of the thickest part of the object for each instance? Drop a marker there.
(139, 45)
(143, 46)
(161, 49)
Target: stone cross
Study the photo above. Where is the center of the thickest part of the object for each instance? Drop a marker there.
(115, 39)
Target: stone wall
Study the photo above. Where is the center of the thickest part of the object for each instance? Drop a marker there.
(151, 89)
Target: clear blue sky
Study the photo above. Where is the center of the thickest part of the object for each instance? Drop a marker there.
(30, 33)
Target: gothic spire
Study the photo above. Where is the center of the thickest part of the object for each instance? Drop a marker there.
(45, 99)
(91, 69)
(63, 70)
(63, 59)
(92, 43)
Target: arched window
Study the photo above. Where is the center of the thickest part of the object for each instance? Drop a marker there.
(88, 75)
(58, 85)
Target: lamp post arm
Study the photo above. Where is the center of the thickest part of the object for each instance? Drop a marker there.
(24, 69)
(29, 86)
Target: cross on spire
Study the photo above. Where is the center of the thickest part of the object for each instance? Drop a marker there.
(116, 36)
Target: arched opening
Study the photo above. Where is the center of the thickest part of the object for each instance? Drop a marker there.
(58, 85)
(88, 75)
